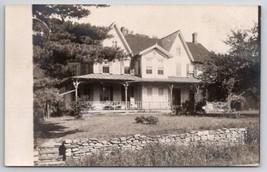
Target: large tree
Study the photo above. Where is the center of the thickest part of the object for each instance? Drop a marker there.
(57, 40)
(238, 71)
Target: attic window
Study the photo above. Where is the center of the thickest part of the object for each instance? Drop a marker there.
(178, 51)
(114, 43)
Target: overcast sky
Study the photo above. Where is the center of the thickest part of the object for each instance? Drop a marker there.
(212, 23)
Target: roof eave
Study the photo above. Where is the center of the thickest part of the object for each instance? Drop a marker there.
(157, 47)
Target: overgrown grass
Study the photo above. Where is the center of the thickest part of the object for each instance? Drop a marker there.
(173, 155)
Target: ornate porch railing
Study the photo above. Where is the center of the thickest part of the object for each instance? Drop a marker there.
(122, 105)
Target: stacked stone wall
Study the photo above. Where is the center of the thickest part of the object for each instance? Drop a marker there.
(48, 153)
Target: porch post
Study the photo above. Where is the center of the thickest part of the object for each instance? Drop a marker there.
(76, 84)
(125, 88)
(171, 88)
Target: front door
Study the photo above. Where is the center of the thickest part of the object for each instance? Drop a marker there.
(107, 93)
(176, 96)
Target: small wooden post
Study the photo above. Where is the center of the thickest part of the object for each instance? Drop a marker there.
(76, 84)
(125, 88)
(171, 88)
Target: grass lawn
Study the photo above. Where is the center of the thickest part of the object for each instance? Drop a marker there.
(117, 125)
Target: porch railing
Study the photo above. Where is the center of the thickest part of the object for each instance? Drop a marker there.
(121, 105)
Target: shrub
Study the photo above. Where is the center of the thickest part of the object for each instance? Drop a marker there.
(253, 135)
(200, 105)
(188, 107)
(78, 108)
(147, 120)
(152, 120)
(140, 119)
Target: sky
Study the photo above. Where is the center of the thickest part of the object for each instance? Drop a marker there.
(212, 23)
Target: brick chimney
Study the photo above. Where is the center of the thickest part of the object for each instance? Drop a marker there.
(123, 30)
(194, 38)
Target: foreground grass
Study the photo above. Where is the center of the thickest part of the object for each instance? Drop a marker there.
(172, 155)
(117, 125)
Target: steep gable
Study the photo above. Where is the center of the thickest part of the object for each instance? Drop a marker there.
(168, 41)
(118, 37)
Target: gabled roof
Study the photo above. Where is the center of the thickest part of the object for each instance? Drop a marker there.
(167, 41)
(198, 51)
(138, 43)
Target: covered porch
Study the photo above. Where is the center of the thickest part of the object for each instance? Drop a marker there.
(102, 92)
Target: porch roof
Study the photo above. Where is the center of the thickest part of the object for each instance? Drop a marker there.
(107, 76)
(136, 79)
(189, 80)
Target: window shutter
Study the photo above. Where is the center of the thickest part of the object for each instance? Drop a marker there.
(110, 67)
(100, 68)
(122, 67)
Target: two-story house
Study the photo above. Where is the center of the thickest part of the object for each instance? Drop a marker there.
(156, 74)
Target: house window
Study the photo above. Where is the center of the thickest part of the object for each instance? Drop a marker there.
(190, 70)
(178, 51)
(114, 43)
(160, 71)
(105, 69)
(149, 91)
(149, 70)
(160, 92)
(126, 70)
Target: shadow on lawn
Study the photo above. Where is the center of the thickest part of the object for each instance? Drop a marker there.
(44, 130)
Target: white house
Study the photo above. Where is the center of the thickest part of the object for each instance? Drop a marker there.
(156, 74)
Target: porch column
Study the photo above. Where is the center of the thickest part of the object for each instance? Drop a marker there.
(76, 84)
(125, 88)
(171, 88)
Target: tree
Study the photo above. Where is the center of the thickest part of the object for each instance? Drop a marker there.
(57, 40)
(236, 72)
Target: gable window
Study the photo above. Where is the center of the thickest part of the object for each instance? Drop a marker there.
(178, 51)
(149, 91)
(160, 71)
(160, 92)
(114, 43)
(149, 70)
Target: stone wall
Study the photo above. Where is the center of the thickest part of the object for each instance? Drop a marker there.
(48, 153)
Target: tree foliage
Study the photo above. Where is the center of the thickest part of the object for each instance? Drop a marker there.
(57, 41)
(238, 71)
